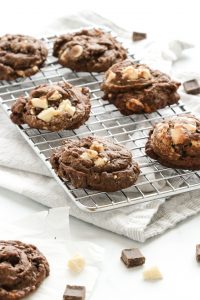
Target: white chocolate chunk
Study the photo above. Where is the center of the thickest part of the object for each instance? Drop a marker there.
(47, 114)
(89, 154)
(152, 273)
(85, 156)
(20, 73)
(39, 102)
(76, 51)
(35, 68)
(64, 55)
(76, 264)
(190, 127)
(111, 75)
(100, 162)
(55, 96)
(178, 134)
(97, 146)
(144, 73)
(130, 73)
(66, 106)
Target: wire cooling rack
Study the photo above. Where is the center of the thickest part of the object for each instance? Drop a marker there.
(155, 180)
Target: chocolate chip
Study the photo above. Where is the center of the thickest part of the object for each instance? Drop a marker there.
(138, 36)
(74, 292)
(192, 87)
(132, 257)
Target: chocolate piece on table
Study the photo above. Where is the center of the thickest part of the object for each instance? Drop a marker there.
(132, 257)
(138, 36)
(191, 87)
(74, 292)
(198, 253)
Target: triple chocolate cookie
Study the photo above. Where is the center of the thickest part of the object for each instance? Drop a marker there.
(20, 56)
(95, 163)
(89, 50)
(175, 142)
(135, 88)
(22, 269)
(53, 107)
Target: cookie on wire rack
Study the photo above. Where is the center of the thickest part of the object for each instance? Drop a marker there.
(88, 50)
(20, 56)
(136, 88)
(95, 163)
(175, 142)
(53, 107)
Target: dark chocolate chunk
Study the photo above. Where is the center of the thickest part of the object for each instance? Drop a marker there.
(132, 257)
(74, 292)
(192, 87)
(138, 36)
(198, 253)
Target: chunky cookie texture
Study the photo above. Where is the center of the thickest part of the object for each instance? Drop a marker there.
(135, 88)
(22, 269)
(175, 142)
(95, 163)
(89, 50)
(53, 107)
(20, 56)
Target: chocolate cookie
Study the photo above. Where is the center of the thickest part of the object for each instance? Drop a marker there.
(95, 163)
(89, 50)
(53, 107)
(135, 88)
(22, 269)
(20, 56)
(175, 142)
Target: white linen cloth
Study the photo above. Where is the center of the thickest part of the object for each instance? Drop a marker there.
(138, 222)
(50, 232)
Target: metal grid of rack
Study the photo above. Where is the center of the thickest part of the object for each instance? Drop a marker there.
(155, 181)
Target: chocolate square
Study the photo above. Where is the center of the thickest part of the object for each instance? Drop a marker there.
(74, 292)
(132, 257)
(191, 87)
(138, 36)
(198, 253)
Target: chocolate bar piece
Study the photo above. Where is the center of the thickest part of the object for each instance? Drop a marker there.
(132, 257)
(138, 36)
(74, 292)
(191, 87)
(198, 253)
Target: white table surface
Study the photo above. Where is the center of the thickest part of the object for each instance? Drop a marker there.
(173, 252)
